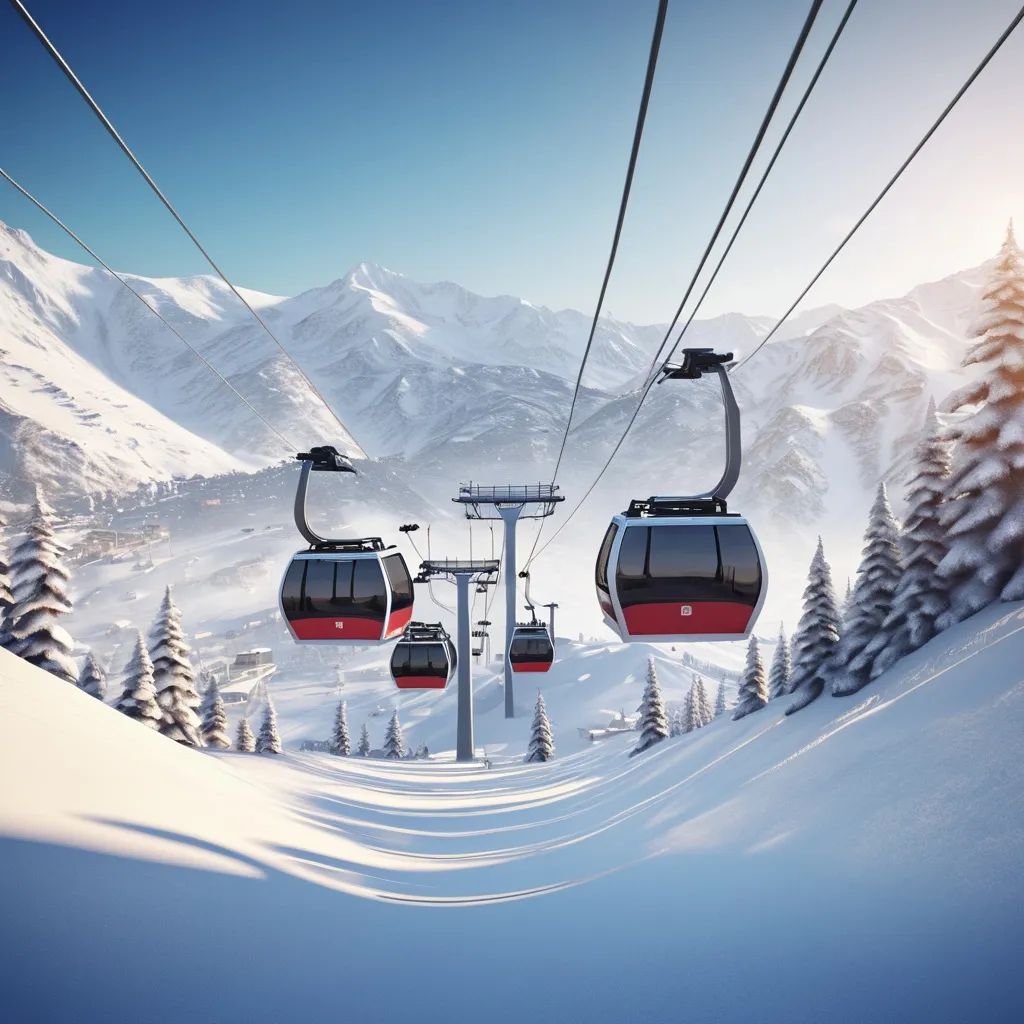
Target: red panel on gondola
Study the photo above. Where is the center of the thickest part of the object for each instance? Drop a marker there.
(530, 666)
(421, 682)
(698, 618)
(397, 621)
(336, 629)
(606, 607)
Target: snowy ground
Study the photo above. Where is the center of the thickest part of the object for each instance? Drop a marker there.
(860, 861)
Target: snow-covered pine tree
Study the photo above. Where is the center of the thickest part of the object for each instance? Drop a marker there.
(175, 680)
(92, 679)
(877, 579)
(983, 514)
(6, 598)
(394, 744)
(363, 750)
(675, 723)
(921, 594)
(268, 741)
(245, 741)
(778, 674)
(653, 726)
(816, 636)
(542, 746)
(214, 729)
(340, 743)
(39, 592)
(720, 700)
(138, 700)
(753, 687)
(691, 709)
(702, 701)
(847, 599)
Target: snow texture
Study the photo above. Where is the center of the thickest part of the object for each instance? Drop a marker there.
(173, 675)
(816, 636)
(39, 589)
(983, 513)
(778, 674)
(753, 693)
(92, 678)
(268, 741)
(394, 744)
(214, 730)
(340, 743)
(542, 745)
(653, 725)
(138, 699)
(877, 579)
(922, 595)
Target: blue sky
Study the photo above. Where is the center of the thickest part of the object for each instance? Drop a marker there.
(486, 142)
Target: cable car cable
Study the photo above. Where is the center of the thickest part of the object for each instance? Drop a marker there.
(652, 63)
(113, 273)
(892, 181)
(105, 121)
(741, 178)
(906, 163)
(768, 169)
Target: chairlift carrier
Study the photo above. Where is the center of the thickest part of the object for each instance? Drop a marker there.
(685, 568)
(342, 592)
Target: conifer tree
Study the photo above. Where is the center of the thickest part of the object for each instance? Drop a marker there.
(340, 743)
(268, 741)
(6, 598)
(39, 593)
(778, 675)
(922, 595)
(720, 701)
(877, 578)
(542, 746)
(138, 700)
(816, 636)
(245, 741)
(753, 687)
(394, 743)
(702, 701)
(675, 723)
(983, 514)
(92, 678)
(175, 680)
(653, 725)
(691, 709)
(214, 730)
(363, 750)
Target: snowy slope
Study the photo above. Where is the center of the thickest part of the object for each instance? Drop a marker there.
(860, 861)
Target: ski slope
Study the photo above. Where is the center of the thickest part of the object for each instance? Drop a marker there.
(860, 861)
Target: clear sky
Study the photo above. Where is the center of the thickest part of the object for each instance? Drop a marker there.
(485, 142)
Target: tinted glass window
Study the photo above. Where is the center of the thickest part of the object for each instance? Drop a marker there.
(602, 556)
(291, 589)
(741, 569)
(683, 551)
(343, 581)
(369, 595)
(633, 552)
(531, 648)
(401, 582)
(319, 586)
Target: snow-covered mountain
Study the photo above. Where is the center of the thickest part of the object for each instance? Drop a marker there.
(96, 393)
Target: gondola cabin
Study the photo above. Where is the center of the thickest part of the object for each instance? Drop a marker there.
(530, 649)
(353, 593)
(681, 570)
(424, 658)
